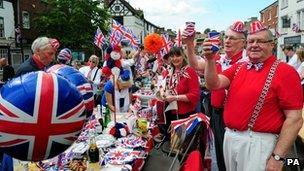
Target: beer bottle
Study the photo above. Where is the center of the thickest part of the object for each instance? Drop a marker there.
(107, 116)
(93, 151)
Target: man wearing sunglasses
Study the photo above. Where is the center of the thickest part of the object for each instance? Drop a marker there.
(44, 50)
(92, 73)
(234, 43)
(263, 109)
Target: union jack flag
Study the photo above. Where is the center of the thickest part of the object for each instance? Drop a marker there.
(117, 33)
(214, 38)
(178, 40)
(130, 37)
(45, 126)
(167, 44)
(99, 38)
(190, 123)
(83, 86)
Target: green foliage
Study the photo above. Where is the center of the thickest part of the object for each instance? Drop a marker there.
(207, 30)
(73, 22)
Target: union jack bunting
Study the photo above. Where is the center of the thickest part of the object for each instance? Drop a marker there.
(190, 123)
(131, 39)
(99, 38)
(43, 120)
(167, 44)
(76, 78)
(295, 27)
(178, 40)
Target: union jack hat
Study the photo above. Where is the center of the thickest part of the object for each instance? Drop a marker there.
(65, 54)
(256, 26)
(55, 43)
(238, 26)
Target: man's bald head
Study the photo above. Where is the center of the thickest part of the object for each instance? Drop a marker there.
(3, 62)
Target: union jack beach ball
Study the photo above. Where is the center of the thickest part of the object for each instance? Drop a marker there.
(41, 115)
(78, 79)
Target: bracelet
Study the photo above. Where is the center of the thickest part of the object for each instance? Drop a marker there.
(177, 97)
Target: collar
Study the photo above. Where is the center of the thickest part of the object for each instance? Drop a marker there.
(265, 64)
(39, 64)
(235, 57)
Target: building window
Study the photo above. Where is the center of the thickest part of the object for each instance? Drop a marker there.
(285, 22)
(25, 20)
(1, 3)
(284, 4)
(300, 18)
(269, 15)
(2, 27)
(117, 8)
(3, 53)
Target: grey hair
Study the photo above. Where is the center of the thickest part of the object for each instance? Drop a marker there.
(270, 35)
(40, 43)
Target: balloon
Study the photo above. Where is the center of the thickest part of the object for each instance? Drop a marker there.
(77, 79)
(41, 114)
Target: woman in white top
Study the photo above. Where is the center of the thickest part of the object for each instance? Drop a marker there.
(300, 54)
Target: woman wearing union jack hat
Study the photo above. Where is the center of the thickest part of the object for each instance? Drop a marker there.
(44, 50)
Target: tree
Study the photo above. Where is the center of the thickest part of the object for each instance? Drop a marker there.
(207, 30)
(73, 22)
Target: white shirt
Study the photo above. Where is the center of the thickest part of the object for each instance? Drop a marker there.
(85, 71)
(300, 70)
(294, 61)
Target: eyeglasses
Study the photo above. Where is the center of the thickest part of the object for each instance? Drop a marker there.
(92, 61)
(258, 41)
(232, 38)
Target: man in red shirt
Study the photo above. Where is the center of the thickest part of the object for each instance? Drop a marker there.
(234, 43)
(263, 109)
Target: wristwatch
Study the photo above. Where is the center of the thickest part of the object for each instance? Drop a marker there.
(277, 157)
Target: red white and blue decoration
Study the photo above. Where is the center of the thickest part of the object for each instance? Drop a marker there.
(77, 79)
(238, 26)
(99, 38)
(41, 115)
(214, 38)
(113, 61)
(117, 129)
(256, 26)
(190, 123)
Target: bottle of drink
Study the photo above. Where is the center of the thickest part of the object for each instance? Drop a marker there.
(93, 151)
(107, 116)
(100, 127)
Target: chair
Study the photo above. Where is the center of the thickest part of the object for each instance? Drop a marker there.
(192, 139)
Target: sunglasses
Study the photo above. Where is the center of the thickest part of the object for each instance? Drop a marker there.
(94, 62)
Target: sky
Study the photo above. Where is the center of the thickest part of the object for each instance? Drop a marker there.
(213, 14)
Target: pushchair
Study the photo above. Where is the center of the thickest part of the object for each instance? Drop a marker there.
(192, 133)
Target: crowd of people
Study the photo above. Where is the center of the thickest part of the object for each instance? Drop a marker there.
(256, 102)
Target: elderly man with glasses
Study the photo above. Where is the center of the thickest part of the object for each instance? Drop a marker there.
(263, 109)
(234, 43)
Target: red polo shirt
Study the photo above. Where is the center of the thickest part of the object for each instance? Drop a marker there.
(285, 93)
(189, 87)
(218, 96)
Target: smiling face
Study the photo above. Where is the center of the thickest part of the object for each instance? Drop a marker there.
(233, 42)
(260, 46)
(177, 57)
